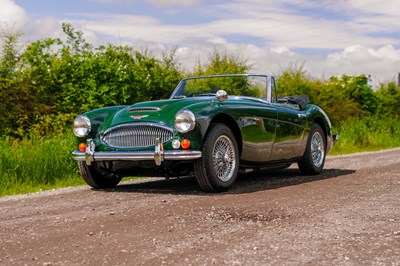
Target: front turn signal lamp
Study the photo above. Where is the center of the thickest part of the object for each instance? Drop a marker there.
(185, 144)
(82, 147)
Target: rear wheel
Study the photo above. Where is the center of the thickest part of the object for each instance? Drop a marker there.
(217, 170)
(97, 178)
(313, 159)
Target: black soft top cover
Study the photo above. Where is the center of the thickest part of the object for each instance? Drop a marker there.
(301, 100)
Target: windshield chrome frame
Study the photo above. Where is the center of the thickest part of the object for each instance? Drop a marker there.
(269, 81)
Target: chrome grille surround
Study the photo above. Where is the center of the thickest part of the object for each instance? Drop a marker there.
(134, 135)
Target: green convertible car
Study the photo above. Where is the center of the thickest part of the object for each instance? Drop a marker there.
(210, 127)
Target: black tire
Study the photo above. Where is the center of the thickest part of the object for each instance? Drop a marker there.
(218, 168)
(95, 178)
(313, 159)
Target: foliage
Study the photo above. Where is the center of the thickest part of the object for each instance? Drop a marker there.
(55, 79)
(44, 85)
(32, 164)
(8, 53)
(343, 98)
(294, 81)
(224, 63)
(371, 133)
(50, 81)
(389, 97)
(357, 89)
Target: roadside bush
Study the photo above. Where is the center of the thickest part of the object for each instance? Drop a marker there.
(54, 79)
(368, 134)
(34, 164)
(46, 84)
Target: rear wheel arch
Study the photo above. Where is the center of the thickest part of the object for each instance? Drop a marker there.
(313, 160)
(322, 124)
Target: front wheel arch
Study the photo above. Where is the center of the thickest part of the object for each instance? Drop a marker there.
(94, 177)
(217, 169)
(230, 122)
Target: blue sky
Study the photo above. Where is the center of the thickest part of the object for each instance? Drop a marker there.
(328, 37)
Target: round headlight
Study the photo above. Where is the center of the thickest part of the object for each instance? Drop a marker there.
(81, 126)
(184, 121)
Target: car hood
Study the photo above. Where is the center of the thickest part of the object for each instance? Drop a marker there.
(162, 111)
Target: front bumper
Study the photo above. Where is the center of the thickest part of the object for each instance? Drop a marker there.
(134, 156)
(158, 155)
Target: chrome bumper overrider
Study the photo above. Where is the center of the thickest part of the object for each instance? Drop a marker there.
(158, 155)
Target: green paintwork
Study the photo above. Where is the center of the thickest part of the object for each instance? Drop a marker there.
(266, 129)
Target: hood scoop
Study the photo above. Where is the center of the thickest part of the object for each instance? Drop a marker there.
(143, 109)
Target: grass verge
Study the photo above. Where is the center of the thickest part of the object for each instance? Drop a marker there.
(36, 164)
(369, 134)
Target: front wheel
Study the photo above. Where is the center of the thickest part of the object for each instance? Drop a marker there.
(96, 178)
(313, 159)
(218, 168)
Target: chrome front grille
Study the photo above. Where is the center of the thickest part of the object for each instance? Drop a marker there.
(136, 135)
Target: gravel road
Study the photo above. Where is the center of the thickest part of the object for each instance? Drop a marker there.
(348, 215)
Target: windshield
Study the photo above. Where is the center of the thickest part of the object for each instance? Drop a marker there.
(239, 85)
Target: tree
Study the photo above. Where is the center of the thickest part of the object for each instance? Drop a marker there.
(359, 91)
(294, 81)
(389, 96)
(224, 63)
(9, 53)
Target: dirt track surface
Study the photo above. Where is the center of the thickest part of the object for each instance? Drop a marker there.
(349, 215)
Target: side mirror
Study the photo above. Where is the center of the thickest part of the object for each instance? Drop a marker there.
(221, 95)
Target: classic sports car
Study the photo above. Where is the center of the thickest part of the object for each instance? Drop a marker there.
(211, 127)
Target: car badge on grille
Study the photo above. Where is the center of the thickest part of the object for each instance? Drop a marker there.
(139, 116)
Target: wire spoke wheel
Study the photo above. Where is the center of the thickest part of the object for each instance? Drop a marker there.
(217, 169)
(317, 149)
(224, 158)
(313, 159)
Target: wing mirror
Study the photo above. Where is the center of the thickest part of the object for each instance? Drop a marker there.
(221, 95)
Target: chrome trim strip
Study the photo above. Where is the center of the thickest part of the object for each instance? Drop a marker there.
(135, 155)
(270, 80)
(143, 109)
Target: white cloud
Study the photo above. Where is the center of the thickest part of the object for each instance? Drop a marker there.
(11, 15)
(163, 3)
(155, 3)
(280, 28)
(274, 22)
(382, 63)
(17, 20)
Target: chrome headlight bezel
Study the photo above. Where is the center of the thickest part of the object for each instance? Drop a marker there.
(81, 126)
(185, 121)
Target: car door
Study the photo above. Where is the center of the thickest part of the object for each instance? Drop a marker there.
(290, 137)
(258, 131)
